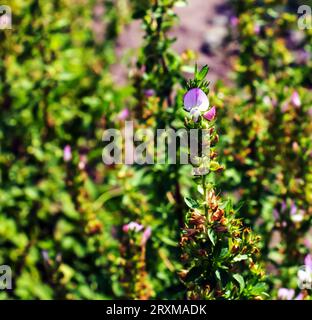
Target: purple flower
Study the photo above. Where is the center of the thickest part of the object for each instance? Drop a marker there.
(310, 112)
(132, 226)
(300, 296)
(275, 214)
(146, 235)
(149, 92)
(285, 294)
(295, 99)
(308, 261)
(234, 21)
(293, 209)
(295, 214)
(67, 154)
(196, 98)
(303, 56)
(196, 102)
(257, 29)
(124, 114)
(211, 114)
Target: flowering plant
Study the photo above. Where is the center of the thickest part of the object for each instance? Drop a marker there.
(219, 253)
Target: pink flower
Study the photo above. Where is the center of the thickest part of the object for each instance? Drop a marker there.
(295, 99)
(234, 21)
(132, 226)
(211, 114)
(124, 114)
(308, 261)
(125, 228)
(146, 235)
(67, 154)
(293, 209)
(149, 93)
(257, 29)
(300, 296)
(307, 243)
(196, 98)
(275, 214)
(303, 56)
(82, 162)
(295, 214)
(285, 294)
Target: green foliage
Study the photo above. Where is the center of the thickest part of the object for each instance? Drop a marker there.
(55, 91)
(72, 227)
(267, 124)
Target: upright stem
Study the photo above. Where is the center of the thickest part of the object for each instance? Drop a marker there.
(204, 178)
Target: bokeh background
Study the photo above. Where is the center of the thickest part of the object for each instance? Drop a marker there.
(70, 69)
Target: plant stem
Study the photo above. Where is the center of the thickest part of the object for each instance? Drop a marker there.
(204, 177)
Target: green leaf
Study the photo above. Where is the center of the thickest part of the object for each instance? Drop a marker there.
(191, 203)
(259, 289)
(168, 241)
(212, 236)
(187, 69)
(240, 280)
(203, 73)
(218, 275)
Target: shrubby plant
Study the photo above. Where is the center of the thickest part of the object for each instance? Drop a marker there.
(55, 90)
(73, 227)
(220, 253)
(268, 149)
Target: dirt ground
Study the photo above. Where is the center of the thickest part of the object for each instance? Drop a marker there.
(202, 22)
